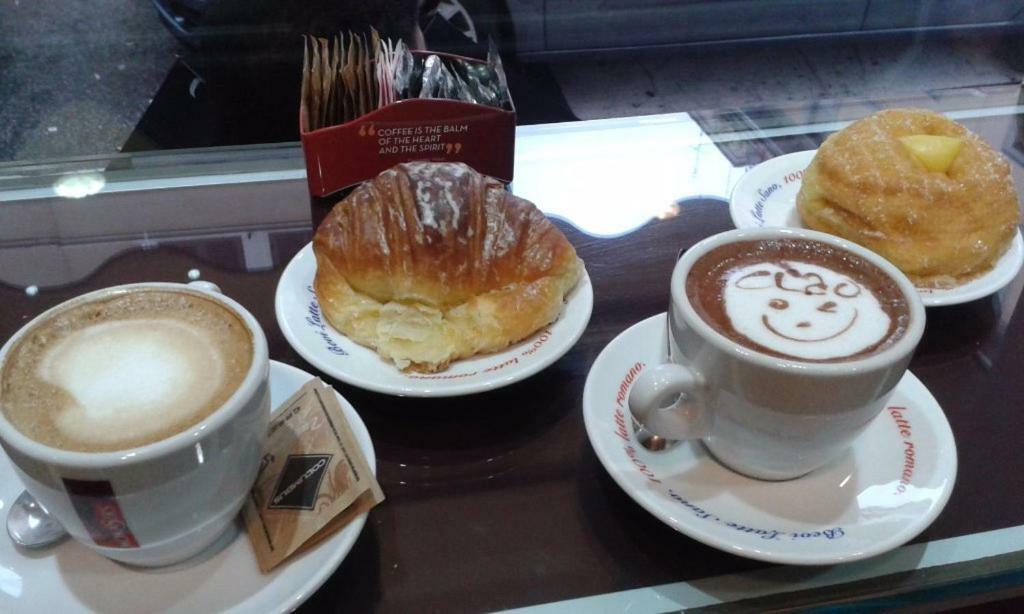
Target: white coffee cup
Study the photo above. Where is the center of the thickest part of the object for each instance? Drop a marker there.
(764, 416)
(163, 502)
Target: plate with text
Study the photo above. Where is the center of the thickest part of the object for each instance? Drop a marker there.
(766, 197)
(307, 330)
(889, 486)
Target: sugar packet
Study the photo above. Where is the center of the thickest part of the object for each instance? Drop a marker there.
(313, 479)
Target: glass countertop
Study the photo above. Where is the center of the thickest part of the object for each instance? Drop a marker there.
(497, 500)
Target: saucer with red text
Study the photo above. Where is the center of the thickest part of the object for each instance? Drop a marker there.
(305, 328)
(766, 197)
(887, 488)
(225, 578)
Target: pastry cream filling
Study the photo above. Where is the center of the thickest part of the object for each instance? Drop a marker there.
(412, 334)
(935, 152)
(923, 192)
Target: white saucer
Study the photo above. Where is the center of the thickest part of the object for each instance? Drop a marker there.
(854, 508)
(71, 578)
(298, 315)
(766, 196)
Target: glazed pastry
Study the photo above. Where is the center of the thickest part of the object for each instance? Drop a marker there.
(433, 262)
(943, 209)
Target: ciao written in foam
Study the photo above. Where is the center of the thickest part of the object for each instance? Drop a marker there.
(804, 310)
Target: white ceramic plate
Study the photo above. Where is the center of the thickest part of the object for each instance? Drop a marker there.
(766, 196)
(298, 315)
(70, 578)
(871, 500)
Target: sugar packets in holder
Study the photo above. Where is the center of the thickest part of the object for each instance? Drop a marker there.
(313, 479)
(368, 104)
(350, 75)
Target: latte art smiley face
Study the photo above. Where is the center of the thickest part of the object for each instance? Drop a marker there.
(804, 310)
(798, 299)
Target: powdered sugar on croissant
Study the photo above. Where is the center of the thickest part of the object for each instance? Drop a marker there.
(431, 262)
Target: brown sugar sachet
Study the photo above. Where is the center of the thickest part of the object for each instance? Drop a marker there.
(313, 479)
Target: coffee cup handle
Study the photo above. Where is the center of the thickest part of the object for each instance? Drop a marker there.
(668, 401)
(205, 286)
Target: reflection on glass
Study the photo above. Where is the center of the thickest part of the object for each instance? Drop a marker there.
(79, 186)
(670, 212)
(610, 177)
(10, 582)
(880, 498)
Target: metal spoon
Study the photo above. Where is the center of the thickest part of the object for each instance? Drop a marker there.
(29, 524)
(649, 440)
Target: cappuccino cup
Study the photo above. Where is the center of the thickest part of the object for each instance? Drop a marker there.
(784, 344)
(136, 415)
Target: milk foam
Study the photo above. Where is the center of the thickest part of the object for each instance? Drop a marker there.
(803, 310)
(131, 378)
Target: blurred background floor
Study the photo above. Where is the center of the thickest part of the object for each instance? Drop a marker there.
(788, 73)
(77, 78)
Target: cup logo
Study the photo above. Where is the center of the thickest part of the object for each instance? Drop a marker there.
(98, 509)
(804, 310)
(299, 485)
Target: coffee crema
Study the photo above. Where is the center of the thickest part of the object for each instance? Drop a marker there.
(798, 299)
(124, 370)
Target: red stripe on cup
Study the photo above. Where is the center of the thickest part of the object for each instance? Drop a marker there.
(99, 511)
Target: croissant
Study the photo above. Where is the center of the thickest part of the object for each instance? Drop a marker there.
(432, 262)
(941, 228)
